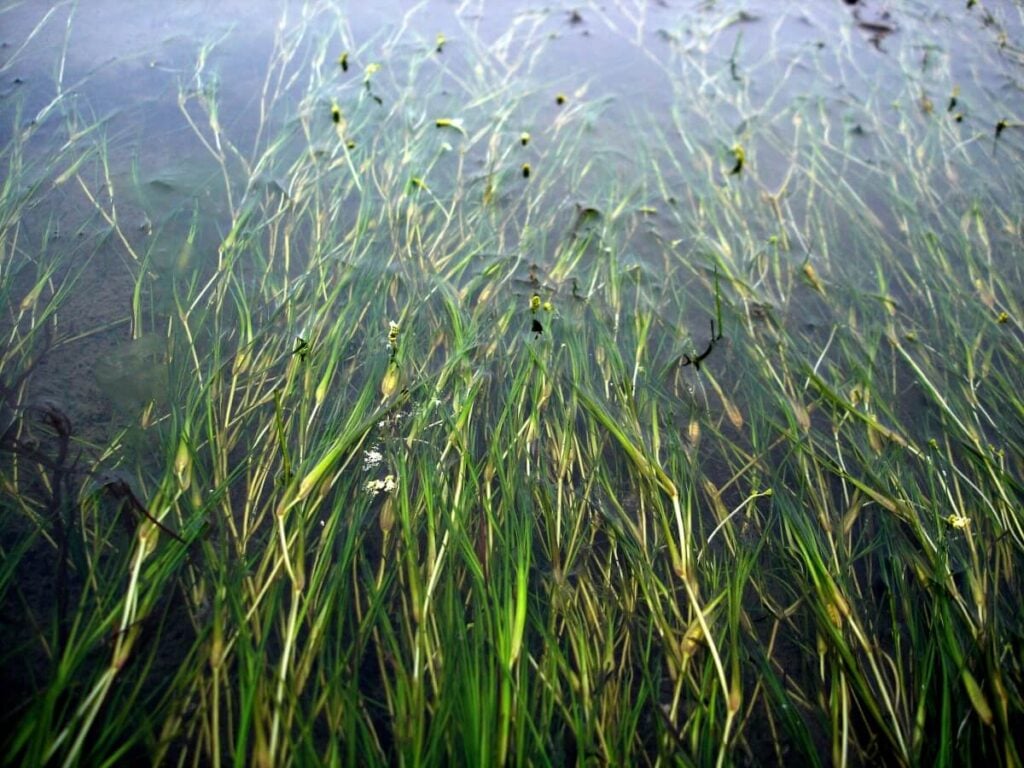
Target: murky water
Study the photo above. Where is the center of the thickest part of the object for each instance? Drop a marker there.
(704, 74)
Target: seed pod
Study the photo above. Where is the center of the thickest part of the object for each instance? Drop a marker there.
(978, 699)
(389, 383)
(183, 464)
(692, 640)
(812, 277)
(386, 520)
(740, 156)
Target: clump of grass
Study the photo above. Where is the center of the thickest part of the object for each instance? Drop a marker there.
(451, 471)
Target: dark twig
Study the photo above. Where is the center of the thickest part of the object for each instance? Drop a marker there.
(121, 491)
(696, 361)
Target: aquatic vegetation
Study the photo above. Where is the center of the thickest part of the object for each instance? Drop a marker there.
(615, 430)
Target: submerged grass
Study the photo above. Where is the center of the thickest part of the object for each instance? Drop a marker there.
(658, 458)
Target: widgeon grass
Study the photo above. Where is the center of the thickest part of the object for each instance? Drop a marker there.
(642, 457)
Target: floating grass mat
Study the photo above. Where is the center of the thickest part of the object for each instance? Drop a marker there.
(472, 416)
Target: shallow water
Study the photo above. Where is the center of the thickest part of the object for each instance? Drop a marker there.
(706, 75)
(560, 171)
